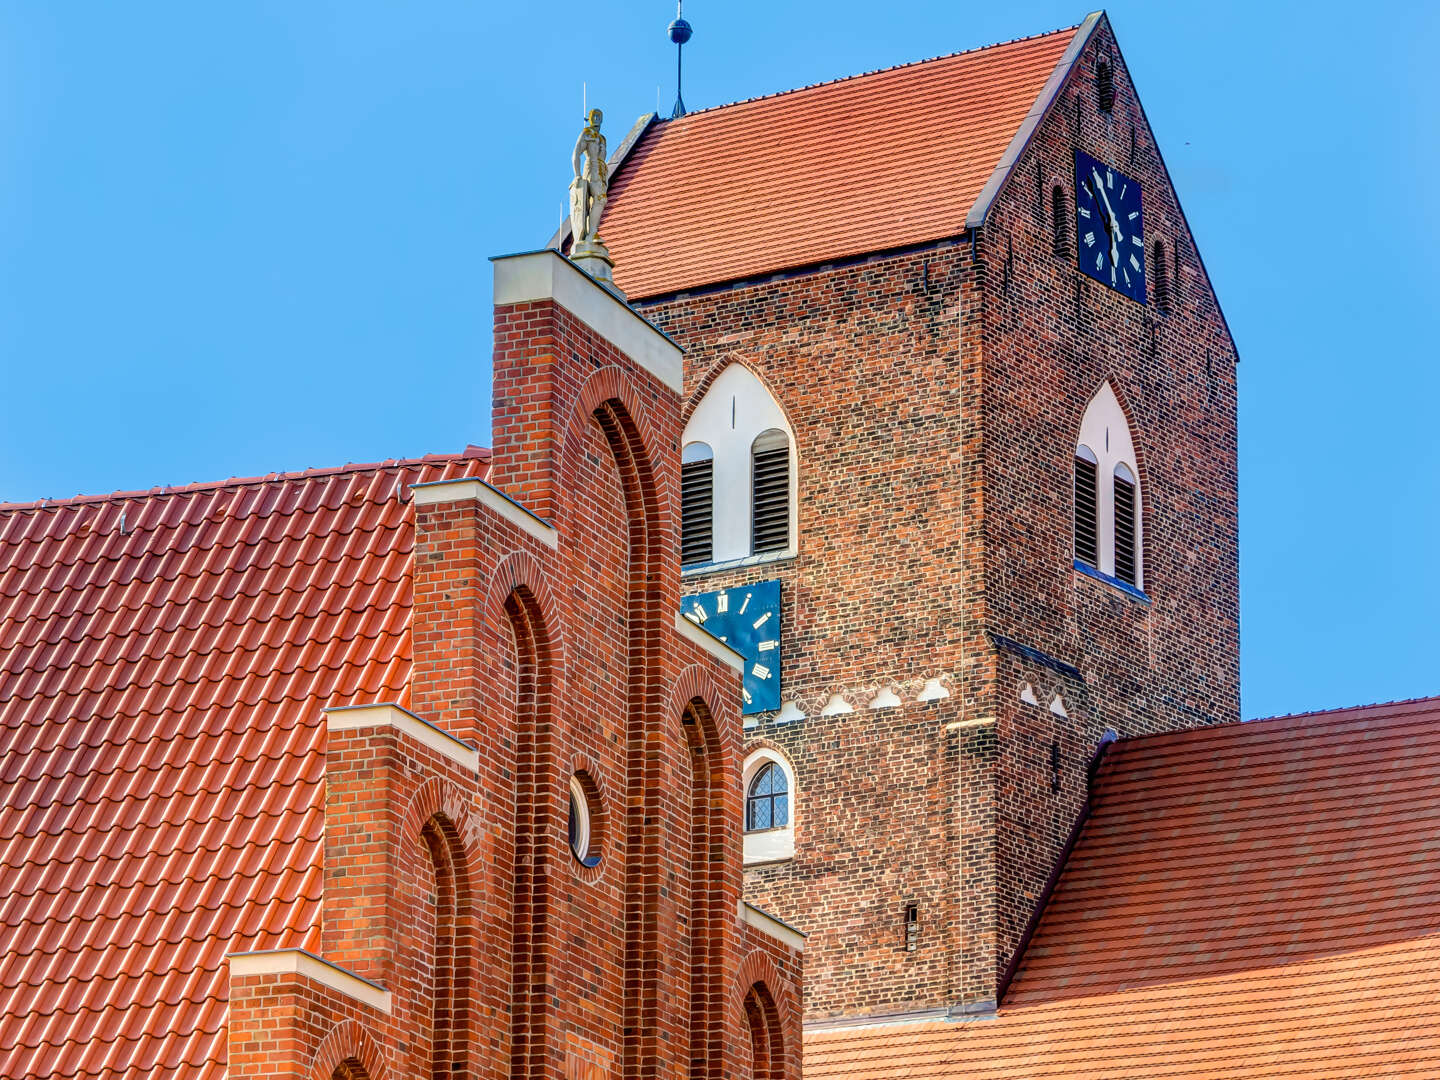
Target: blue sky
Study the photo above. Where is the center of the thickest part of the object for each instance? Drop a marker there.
(250, 237)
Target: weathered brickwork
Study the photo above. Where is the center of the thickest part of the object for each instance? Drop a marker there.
(452, 886)
(936, 397)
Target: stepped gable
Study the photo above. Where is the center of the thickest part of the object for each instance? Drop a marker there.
(183, 653)
(863, 164)
(1249, 900)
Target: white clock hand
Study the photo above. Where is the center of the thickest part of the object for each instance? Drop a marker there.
(1115, 235)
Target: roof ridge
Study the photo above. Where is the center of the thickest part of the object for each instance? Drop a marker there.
(1259, 723)
(470, 453)
(872, 71)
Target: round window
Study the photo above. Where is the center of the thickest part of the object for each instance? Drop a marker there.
(582, 840)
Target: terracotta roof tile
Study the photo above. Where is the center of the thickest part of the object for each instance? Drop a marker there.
(123, 658)
(1253, 900)
(863, 164)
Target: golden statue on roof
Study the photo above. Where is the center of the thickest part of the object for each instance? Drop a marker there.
(588, 192)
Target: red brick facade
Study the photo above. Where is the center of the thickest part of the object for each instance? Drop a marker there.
(936, 396)
(552, 649)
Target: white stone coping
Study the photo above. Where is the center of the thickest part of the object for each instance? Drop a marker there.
(979, 721)
(769, 924)
(353, 717)
(434, 492)
(548, 275)
(709, 642)
(1043, 100)
(312, 967)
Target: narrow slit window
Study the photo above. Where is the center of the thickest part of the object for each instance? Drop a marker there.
(770, 493)
(1087, 532)
(1105, 85)
(1125, 548)
(697, 504)
(1161, 274)
(1060, 220)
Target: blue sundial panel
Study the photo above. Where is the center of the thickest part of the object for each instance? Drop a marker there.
(1109, 226)
(747, 618)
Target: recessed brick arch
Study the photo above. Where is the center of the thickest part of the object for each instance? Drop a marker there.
(711, 810)
(611, 400)
(350, 1052)
(608, 393)
(519, 596)
(765, 1008)
(437, 826)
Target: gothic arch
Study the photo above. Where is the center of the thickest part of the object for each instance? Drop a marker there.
(753, 501)
(1131, 418)
(436, 826)
(348, 1052)
(519, 598)
(709, 824)
(764, 1007)
(1110, 512)
(702, 387)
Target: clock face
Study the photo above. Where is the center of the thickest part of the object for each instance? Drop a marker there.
(1109, 226)
(747, 618)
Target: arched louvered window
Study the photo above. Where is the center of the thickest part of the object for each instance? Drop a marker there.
(1160, 275)
(1060, 220)
(767, 803)
(697, 504)
(1087, 531)
(1125, 551)
(770, 493)
(1109, 523)
(738, 473)
(1105, 85)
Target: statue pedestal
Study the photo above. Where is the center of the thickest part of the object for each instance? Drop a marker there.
(593, 257)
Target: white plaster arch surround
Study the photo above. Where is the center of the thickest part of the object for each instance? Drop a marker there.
(1105, 432)
(735, 411)
(768, 845)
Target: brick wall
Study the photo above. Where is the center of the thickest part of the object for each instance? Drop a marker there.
(936, 395)
(551, 648)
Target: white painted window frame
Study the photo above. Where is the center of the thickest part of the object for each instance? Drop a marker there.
(768, 845)
(1105, 433)
(736, 410)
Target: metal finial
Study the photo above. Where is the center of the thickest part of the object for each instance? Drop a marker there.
(680, 32)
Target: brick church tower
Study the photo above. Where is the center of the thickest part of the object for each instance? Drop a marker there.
(959, 443)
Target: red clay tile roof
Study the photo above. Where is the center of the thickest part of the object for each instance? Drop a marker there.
(863, 164)
(1256, 900)
(188, 654)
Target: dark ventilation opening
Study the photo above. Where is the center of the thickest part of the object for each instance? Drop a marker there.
(1161, 276)
(1060, 219)
(1125, 530)
(770, 505)
(1087, 533)
(1105, 85)
(1054, 765)
(912, 926)
(697, 499)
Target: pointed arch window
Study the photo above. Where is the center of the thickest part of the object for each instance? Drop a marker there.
(738, 475)
(1108, 508)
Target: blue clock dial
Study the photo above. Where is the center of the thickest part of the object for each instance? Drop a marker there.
(1109, 226)
(747, 618)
